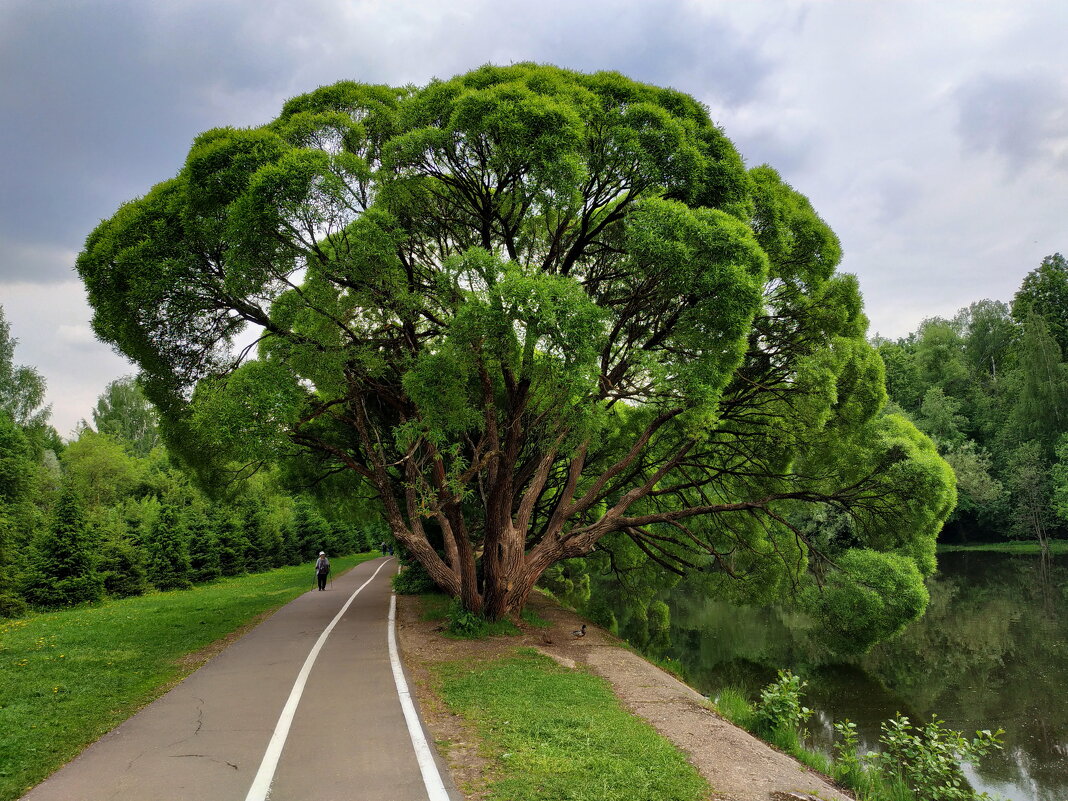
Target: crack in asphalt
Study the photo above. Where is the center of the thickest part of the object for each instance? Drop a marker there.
(199, 724)
(200, 716)
(205, 756)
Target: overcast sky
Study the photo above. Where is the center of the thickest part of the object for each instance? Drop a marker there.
(932, 136)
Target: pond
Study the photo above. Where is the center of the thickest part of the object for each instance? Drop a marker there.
(992, 651)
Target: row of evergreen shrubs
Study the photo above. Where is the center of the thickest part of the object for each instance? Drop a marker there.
(166, 545)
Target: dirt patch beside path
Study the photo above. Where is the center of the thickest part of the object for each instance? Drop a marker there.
(738, 766)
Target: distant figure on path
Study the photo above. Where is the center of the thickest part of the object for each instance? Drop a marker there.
(322, 568)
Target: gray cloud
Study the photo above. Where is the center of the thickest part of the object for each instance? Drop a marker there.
(51, 324)
(100, 102)
(667, 44)
(1023, 118)
(102, 99)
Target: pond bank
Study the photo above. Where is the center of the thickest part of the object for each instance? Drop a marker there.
(989, 653)
(736, 765)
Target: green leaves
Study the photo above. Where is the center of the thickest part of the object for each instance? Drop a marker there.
(869, 598)
(541, 329)
(800, 246)
(248, 414)
(691, 287)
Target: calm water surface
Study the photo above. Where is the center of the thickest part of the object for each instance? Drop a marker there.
(992, 651)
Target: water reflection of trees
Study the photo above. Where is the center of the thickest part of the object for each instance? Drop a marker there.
(991, 651)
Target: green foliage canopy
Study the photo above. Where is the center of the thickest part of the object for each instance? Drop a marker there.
(532, 308)
(1044, 293)
(123, 411)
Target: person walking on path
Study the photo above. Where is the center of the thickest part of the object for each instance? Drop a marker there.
(322, 569)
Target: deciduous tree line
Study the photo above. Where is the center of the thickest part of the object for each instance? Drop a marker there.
(110, 514)
(990, 387)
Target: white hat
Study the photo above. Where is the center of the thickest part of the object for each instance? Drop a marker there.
(322, 553)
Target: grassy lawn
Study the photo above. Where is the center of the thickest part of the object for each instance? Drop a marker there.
(553, 733)
(68, 677)
(1028, 547)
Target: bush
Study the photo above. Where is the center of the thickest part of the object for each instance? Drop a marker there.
(921, 762)
(123, 568)
(779, 709)
(463, 622)
(927, 758)
(11, 605)
(413, 580)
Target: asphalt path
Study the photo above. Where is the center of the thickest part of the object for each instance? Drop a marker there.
(329, 709)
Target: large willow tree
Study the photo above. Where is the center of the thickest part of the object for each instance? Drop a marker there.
(531, 308)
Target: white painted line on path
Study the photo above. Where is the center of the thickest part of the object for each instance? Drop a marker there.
(261, 785)
(435, 788)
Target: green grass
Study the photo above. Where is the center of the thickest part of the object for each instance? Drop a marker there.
(1028, 547)
(670, 666)
(732, 704)
(532, 618)
(553, 733)
(461, 625)
(68, 677)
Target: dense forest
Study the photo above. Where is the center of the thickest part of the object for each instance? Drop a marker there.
(990, 387)
(110, 513)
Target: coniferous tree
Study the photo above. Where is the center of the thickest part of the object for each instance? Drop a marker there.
(264, 550)
(16, 482)
(312, 530)
(122, 563)
(11, 605)
(167, 549)
(342, 539)
(123, 568)
(61, 568)
(290, 544)
(204, 564)
(231, 542)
